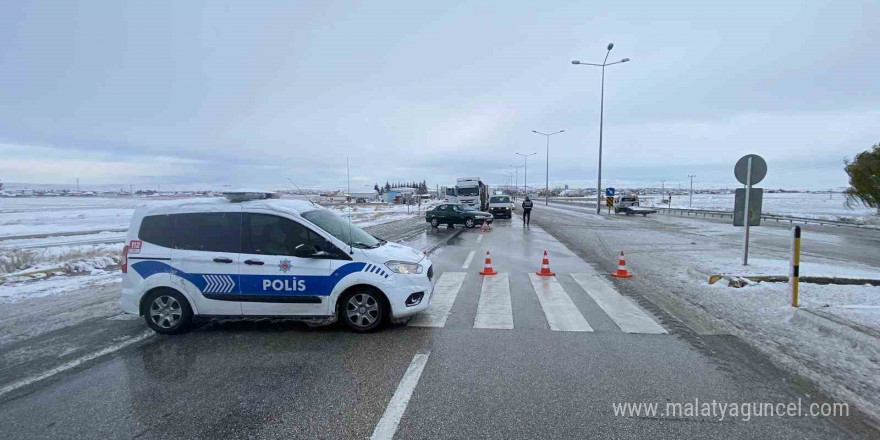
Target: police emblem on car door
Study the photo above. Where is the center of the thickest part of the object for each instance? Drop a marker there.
(283, 271)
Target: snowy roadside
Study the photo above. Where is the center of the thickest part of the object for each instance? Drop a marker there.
(50, 264)
(678, 265)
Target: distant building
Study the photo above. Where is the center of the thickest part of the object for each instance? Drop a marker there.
(398, 195)
(362, 197)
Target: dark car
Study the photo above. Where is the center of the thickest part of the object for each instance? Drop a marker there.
(457, 214)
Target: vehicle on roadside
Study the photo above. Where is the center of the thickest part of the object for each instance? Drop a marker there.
(473, 192)
(450, 194)
(250, 254)
(501, 206)
(629, 205)
(452, 214)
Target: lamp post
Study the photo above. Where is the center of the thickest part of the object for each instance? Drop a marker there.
(691, 197)
(526, 171)
(547, 174)
(516, 184)
(601, 119)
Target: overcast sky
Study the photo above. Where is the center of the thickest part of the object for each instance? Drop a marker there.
(253, 92)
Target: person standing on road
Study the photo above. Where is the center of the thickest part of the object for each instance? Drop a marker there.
(527, 211)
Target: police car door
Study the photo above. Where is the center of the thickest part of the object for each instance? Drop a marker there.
(280, 272)
(205, 257)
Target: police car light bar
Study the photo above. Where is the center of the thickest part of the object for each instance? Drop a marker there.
(248, 194)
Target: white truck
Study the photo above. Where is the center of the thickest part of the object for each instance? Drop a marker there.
(629, 205)
(473, 192)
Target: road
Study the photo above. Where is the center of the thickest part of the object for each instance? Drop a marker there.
(509, 356)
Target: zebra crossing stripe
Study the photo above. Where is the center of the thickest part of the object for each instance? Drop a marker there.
(445, 292)
(621, 310)
(561, 312)
(494, 309)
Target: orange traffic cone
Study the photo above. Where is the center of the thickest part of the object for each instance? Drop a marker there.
(485, 227)
(621, 268)
(545, 267)
(487, 268)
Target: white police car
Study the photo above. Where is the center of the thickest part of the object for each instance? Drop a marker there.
(265, 257)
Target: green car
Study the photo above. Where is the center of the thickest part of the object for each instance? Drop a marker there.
(457, 214)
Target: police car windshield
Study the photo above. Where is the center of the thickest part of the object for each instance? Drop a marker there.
(339, 228)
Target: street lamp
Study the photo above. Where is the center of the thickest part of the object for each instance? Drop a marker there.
(516, 186)
(601, 119)
(547, 176)
(526, 174)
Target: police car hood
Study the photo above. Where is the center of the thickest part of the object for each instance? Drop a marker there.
(393, 252)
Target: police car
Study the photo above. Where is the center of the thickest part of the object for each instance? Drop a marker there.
(252, 254)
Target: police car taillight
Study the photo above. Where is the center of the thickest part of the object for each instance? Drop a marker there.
(125, 259)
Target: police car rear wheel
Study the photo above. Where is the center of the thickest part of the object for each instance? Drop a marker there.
(168, 312)
(363, 311)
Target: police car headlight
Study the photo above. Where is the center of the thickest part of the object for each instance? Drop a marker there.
(404, 267)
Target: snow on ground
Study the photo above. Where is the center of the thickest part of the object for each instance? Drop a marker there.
(51, 215)
(677, 262)
(808, 205)
(92, 256)
(775, 266)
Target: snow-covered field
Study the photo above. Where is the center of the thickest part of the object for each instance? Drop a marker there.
(823, 206)
(53, 245)
(679, 267)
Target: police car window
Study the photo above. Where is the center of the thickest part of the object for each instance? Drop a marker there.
(273, 235)
(442, 207)
(208, 231)
(156, 229)
(341, 228)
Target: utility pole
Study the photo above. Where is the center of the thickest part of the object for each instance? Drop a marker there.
(691, 199)
(516, 186)
(526, 171)
(547, 172)
(77, 184)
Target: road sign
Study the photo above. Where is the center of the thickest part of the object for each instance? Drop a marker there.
(749, 170)
(756, 197)
(759, 169)
(609, 201)
(609, 192)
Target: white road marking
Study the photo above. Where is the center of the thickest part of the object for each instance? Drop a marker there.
(387, 425)
(124, 317)
(479, 238)
(74, 363)
(561, 312)
(445, 292)
(467, 261)
(494, 309)
(621, 310)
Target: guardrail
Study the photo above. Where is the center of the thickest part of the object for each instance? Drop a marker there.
(687, 212)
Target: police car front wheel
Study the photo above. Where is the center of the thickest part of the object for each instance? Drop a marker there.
(167, 312)
(363, 311)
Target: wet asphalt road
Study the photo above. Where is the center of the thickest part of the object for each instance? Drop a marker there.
(278, 379)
